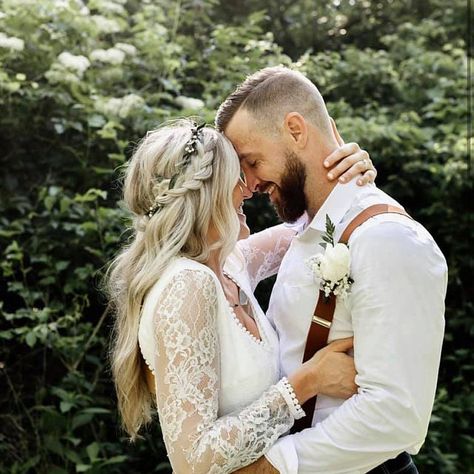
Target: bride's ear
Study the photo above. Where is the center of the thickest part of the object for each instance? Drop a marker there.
(339, 139)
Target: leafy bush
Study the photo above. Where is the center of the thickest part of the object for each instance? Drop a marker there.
(81, 83)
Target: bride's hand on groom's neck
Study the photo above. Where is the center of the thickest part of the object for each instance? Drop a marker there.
(349, 160)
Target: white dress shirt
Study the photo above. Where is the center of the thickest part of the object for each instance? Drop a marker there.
(395, 312)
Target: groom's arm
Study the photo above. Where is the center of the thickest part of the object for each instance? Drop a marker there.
(261, 466)
(397, 309)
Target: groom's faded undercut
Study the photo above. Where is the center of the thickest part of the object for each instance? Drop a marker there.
(270, 94)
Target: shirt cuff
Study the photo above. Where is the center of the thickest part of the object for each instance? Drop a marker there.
(282, 456)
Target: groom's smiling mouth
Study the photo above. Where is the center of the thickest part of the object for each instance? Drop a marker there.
(269, 189)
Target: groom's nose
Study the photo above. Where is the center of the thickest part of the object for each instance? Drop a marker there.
(252, 182)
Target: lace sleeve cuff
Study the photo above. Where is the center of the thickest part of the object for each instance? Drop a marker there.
(287, 392)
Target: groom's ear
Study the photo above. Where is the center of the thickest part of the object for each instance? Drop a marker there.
(338, 137)
(296, 128)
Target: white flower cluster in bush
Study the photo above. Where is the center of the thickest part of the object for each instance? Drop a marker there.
(68, 68)
(110, 56)
(78, 64)
(106, 25)
(189, 103)
(114, 55)
(11, 42)
(127, 48)
(120, 107)
(115, 7)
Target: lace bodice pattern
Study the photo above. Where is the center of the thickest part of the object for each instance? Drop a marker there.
(264, 251)
(218, 396)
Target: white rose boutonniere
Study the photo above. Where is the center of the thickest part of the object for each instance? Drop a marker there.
(332, 267)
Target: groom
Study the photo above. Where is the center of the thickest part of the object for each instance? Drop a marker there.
(281, 130)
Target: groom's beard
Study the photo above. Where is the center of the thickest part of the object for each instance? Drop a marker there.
(291, 201)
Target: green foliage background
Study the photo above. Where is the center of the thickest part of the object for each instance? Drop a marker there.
(394, 76)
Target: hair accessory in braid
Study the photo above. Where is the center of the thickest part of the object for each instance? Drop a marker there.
(190, 149)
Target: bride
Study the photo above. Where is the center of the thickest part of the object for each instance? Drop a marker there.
(190, 339)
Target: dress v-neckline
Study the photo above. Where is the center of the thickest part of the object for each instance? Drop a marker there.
(256, 318)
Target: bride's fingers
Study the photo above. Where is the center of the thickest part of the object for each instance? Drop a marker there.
(360, 167)
(343, 157)
(356, 163)
(368, 177)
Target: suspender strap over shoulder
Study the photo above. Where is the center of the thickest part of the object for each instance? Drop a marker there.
(324, 312)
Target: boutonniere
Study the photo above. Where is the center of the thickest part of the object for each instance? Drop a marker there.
(332, 267)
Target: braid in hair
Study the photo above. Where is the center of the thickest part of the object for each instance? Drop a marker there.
(201, 168)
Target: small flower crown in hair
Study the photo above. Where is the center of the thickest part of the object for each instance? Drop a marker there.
(190, 148)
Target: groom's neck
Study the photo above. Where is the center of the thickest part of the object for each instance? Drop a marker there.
(317, 189)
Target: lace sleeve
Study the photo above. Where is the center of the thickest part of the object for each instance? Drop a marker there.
(264, 251)
(187, 383)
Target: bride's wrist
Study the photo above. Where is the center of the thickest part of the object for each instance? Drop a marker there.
(287, 392)
(304, 384)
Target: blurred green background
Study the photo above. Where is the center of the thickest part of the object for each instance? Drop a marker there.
(81, 82)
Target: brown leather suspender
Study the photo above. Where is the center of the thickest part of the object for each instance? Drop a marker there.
(324, 312)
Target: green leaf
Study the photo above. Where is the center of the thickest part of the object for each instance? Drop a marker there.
(93, 451)
(7, 334)
(64, 204)
(96, 410)
(52, 444)
(61, 265)
(83, 467)
(73, 457)
(30, 339)
(115, 460)
(49, 202)
(81, 419)
(65, 406)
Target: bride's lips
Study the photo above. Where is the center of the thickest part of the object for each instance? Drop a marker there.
(240, 212)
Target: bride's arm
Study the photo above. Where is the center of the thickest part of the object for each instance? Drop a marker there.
(187, 386)
(264, 251)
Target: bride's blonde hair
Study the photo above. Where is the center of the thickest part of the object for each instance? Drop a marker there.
(189, 197)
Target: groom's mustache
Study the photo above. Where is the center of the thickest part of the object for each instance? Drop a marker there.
(263, 188)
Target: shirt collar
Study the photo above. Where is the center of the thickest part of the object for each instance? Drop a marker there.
(337, 204)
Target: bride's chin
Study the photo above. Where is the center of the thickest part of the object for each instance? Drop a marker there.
(244, 230)
(244, 233)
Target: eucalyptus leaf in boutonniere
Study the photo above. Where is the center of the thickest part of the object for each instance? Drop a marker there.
(332, 267)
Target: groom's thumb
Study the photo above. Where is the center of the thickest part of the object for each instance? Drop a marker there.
(341, 345)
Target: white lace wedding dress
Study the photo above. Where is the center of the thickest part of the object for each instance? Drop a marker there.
(218, 395)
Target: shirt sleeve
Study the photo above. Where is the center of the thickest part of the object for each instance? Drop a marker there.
(186, 365)
(397, 309)
(264, 251)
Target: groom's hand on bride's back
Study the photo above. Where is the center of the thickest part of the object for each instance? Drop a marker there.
(333, 370)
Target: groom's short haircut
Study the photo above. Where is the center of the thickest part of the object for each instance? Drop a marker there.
(270, 94)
